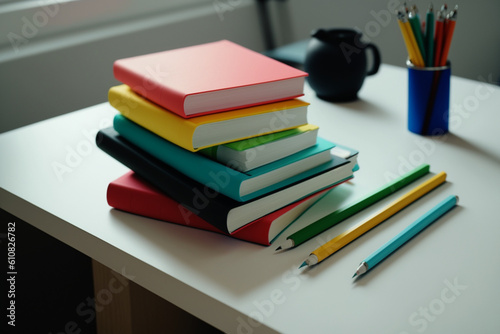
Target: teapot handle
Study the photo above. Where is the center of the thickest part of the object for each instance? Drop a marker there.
(376, 59)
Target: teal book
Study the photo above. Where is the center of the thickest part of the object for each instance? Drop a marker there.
(240, 186)
(348, 154)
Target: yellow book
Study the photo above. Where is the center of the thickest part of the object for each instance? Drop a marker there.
(204, 131)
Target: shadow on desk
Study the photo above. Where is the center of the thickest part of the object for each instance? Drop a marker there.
(455, 140)
(214, 251)
(399, 255)
(365, 107)
(411, 246)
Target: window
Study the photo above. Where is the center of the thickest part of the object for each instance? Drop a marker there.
(28, 21)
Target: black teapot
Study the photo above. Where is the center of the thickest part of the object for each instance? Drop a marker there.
(337, 64)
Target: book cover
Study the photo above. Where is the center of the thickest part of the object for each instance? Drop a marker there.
(241, 186)
(133, 194)
(217, 209)
(258, 151)
(208, 130)
(209, 78)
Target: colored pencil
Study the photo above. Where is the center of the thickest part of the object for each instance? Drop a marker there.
(438, 39)
(429, 37)
(417, 30)
(355, 232)
(409, 38)
(427, 42)
(448, 35)
(409, 232)
(351, 209)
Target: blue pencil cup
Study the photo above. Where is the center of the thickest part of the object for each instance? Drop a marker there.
(428, 99)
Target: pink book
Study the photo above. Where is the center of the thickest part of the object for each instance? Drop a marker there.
(209, 78)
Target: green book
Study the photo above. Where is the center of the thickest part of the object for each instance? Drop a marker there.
(258, 151)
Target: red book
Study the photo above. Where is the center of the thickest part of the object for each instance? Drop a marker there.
(132, 194)
(209, 78)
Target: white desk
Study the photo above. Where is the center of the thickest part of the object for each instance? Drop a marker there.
(443, 281)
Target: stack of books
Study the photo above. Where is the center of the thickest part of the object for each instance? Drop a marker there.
(217, 139)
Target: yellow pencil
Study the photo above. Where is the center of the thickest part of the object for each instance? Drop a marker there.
(413, 41)
(410, 41)
(353, 233)
(406, 38)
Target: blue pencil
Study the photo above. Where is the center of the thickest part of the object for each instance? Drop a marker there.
(405, 235)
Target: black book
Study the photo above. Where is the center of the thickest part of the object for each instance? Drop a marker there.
(217, 209)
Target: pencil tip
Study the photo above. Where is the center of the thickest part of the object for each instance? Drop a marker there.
(277, 249)
(355, 274)
(303, 264)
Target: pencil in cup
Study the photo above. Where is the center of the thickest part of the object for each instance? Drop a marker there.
(428, 99)
(438, 38)
(449, 28)
(429, 37)
(417, 32)
(355, 232)
(409, 39)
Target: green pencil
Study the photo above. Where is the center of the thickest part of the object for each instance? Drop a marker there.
(417, 32)
(339, 215)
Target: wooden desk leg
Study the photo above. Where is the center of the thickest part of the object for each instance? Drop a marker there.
(123, 307)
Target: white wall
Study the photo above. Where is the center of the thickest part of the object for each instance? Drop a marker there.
(475, 49)
(55, 74)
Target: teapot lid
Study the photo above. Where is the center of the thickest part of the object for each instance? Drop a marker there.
(336, 34)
